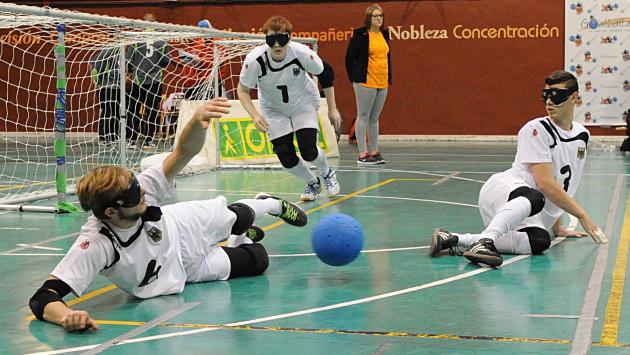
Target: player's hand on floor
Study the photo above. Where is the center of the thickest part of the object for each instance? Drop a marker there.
(78, 321)
(566, 233)
(261, 123)
(592, 230)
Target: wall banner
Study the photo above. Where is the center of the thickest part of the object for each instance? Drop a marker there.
(597, 52)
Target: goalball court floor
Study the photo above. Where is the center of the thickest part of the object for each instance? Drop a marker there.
(393, 299)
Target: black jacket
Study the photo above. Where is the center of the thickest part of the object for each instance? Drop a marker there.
(357, 56)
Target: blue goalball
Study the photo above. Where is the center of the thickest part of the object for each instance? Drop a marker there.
(337, 239)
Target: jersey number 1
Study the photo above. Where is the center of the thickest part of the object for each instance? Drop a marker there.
(285, 93)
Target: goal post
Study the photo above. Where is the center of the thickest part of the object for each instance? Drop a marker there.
(109, 93)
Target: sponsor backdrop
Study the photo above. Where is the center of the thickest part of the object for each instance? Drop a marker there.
(597, 49)
(242, 144)
(459, 67)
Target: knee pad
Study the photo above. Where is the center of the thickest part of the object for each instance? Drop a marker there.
(307, 141)
(247, 260)
(539, 239)
(245, 216)
(285, 150)
(535, 197)
(259, 256)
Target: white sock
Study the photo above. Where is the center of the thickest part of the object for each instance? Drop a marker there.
(236, 240)
(261, 207)
(466, 240)
(303, 172)
(508, 218)
(321, 162)
(513, 242)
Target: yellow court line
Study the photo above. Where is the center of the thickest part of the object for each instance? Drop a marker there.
(355, 332)
(610, 330)
(334, 202)
(85, 297)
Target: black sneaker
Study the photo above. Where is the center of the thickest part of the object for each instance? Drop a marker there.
(443, 240)
(483, 251)
(255, 233)
(291, 213)
(367, 160)
(378, 159)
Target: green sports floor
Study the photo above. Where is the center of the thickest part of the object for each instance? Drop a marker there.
(393, 299)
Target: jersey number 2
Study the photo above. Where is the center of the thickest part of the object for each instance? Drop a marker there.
(564, 170)
(285, 93)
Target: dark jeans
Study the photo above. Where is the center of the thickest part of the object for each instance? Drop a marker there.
(150, 96)
(109, 115)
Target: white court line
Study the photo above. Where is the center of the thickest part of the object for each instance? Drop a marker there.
(446, 178)
(311, 310)
(40, 243)
(419, 200)
(271, 256)
(143, 328)
(18, 228)
(37, 247)
(584, 329)
(362, 252)
(340, 195)
(33, 254)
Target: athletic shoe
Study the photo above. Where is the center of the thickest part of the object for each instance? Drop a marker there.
(367, 160)
(378, 159)
(483, 251)
(331, 183)
(442, 240)
(131, 145)
(291, 213)
(311, 191)
(255, 233)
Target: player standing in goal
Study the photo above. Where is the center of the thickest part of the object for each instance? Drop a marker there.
(289, 101)
(520, 205)
(147, 250)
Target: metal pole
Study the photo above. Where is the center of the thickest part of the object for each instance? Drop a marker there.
(122, 69)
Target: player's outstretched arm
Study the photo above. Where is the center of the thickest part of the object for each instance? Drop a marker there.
(246, 100)
(193, 135)
(47, 304)
(552, 190)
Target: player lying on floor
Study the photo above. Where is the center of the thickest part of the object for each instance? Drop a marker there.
(148, 250)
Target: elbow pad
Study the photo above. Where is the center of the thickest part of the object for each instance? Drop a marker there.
(51, 291)
(327, 77)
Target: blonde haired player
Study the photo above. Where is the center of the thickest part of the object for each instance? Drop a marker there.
(289, 101)
(519, 206)
(149, 250)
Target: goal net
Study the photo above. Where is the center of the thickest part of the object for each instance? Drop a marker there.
(80, 90)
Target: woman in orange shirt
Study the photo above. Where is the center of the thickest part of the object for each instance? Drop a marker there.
(369, 68)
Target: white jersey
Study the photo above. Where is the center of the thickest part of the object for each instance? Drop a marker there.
(144, 260)
(543, 141)
(283, 86)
